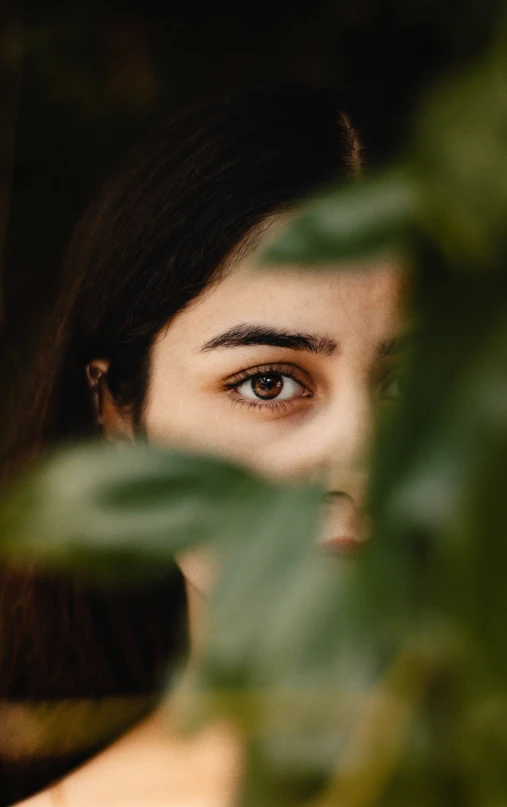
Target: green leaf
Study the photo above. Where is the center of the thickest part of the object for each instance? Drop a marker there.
(361, 219)
(294, 643)
(125, 512)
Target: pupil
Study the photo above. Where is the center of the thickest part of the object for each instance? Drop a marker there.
(267, 386)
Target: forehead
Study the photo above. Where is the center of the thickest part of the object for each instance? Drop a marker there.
(359, 301)
(338, 300)
(337, 287)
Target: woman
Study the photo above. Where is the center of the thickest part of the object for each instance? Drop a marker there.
(167, 328)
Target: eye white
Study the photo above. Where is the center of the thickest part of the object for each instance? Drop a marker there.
(290, 388)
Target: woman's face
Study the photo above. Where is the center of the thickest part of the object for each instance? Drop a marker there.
(282, 370)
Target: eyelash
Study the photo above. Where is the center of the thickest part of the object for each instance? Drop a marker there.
(254, 372)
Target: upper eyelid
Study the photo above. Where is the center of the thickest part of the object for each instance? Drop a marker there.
(277, 367)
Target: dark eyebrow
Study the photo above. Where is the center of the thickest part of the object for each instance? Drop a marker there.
(245, 335)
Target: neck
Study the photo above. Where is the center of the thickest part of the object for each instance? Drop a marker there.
(197, 607)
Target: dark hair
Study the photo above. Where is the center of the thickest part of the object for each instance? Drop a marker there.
(158, 233)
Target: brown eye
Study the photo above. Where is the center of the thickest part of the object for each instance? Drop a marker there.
(270, 386)
(267, 386)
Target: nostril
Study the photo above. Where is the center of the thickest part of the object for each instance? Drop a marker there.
(347, 483)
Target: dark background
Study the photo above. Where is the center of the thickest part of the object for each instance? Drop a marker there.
(91, 78)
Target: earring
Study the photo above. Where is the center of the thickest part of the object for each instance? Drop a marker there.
(94, 376)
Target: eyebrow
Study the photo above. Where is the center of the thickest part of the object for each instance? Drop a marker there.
(246, 335)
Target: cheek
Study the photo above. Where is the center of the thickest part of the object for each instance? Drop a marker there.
(183, 411)
(186, 410)
(284, 449)
(211, 425)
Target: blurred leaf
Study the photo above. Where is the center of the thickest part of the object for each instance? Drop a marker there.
(439, 554)
(123, 512)
(450, 185)
(295, 644)
(349, 223)
(460, 158)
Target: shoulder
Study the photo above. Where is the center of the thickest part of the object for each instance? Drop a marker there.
(153, 766)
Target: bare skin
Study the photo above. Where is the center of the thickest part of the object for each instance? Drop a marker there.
(308, 412)
(301, 408)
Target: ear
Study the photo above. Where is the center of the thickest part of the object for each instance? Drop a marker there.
(116, 424)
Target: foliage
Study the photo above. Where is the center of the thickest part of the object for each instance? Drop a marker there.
(381, 681)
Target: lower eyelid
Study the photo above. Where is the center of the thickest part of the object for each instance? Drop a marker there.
(280, 408)
(271, 406)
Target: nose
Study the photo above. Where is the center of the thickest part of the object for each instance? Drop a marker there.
(346, 456)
